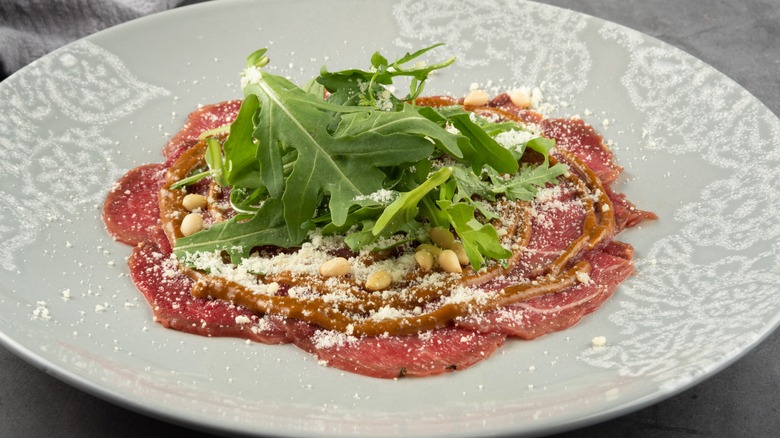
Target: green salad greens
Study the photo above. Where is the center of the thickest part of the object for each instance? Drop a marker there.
(343, 155)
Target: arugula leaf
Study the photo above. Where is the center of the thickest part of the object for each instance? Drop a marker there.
(367, 211)
(343, 167)
(361, 87)
(478, 147)
(469, 185)
(487, 150)
(404, 209)
(360, 239)
(542, 145)
(238, 238)
(494, 128)
(525, 184)
(214, 165)
(214, 160)
(245, 200)
(407, 120)
(471, 189)
(242, 167)
(192, 179)
(478, 239)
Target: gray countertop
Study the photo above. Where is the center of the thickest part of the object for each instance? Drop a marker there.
(740, 39)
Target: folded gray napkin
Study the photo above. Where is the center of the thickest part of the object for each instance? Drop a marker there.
(30, 29)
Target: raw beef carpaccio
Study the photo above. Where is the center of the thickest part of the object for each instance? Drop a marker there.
(132, 216)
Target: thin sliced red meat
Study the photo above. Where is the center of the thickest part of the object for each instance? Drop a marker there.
(549, 313)
(427, 354)
(579, 138)
(438, 101)
(168, 292)
(131, 214)
(503, 102)
(626, 213)
(619, 249)
(204, 118)
(556, 222)
(132, 206)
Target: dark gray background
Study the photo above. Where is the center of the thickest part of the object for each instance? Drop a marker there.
(739, 38)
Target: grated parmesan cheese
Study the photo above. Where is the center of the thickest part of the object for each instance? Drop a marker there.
(515, 139)
(41, 311)
(252, 75)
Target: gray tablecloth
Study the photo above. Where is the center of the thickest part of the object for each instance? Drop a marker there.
(31, 28)
(741, 39)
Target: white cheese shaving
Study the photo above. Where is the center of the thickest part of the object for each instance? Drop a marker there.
(41, 311)
(243, 319)
(515, 139)
(251, 75)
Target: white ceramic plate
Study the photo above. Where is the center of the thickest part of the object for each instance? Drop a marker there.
(698, 150)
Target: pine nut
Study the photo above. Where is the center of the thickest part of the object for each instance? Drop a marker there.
(449, 261)
(520, 98)
(335, 267)
(433, 249)
(460, 251)
(194, 201)
(191, 224)
(442, 237)
(476, 98)
(424, 260)
(379, 280)
(582, 277)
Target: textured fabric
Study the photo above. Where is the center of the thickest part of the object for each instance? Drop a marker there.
(30, 29)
